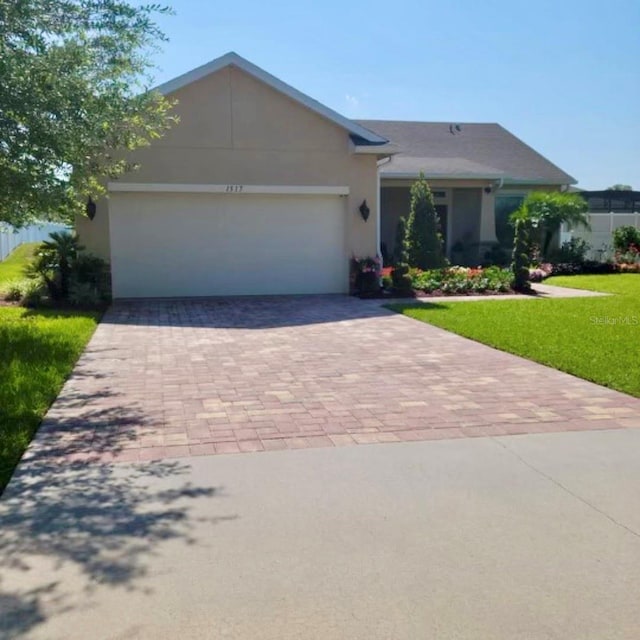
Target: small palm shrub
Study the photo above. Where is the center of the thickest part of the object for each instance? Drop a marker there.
(546, 211)
(69, 275)
(53, 263)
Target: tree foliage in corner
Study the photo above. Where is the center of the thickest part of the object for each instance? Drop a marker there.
(546, 211)
(423, 229)
(73, 101)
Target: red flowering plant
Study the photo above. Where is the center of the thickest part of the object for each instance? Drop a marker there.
(365, 274)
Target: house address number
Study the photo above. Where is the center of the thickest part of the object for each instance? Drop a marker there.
(234, 188)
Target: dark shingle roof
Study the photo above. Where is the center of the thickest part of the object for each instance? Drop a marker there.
(480, 150)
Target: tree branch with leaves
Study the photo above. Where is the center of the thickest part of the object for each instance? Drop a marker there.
(74, 99)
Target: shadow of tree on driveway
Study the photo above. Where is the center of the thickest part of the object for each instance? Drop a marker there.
(105, 520)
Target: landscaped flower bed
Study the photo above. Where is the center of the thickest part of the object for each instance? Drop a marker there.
(369, 280)
(623, 264)
(462, 281)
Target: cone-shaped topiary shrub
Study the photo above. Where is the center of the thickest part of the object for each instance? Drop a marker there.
(423, 229)
(521, 258)
(400, 274)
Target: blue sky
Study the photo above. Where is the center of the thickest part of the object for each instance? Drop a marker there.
(563, 76)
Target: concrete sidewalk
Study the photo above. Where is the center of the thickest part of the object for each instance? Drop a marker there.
(533, 536)
(541, 291)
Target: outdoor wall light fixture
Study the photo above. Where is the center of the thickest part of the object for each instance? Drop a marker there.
(364, 210)
(487, 190)
(90, 208)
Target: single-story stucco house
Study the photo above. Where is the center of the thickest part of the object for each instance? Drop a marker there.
(262, 190)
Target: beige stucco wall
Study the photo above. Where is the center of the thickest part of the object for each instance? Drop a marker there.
(94, 234)
(236, 130)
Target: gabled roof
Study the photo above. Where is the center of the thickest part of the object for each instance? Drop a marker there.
(233, 59)
(472, 150)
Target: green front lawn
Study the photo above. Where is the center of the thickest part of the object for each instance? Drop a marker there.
(38, 349)
(593, 338)
(625, 284)
(13, 267)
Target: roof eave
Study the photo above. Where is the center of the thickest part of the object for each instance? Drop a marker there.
(568, 180)
(382, 150)
(411, 175)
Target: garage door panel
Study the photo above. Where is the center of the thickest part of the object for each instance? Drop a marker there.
(204, 244)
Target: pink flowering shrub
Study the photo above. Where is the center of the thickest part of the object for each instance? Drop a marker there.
(539, 273)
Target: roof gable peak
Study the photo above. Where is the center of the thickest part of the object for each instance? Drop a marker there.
(236, 60)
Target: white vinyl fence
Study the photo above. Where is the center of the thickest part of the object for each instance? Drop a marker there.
(602, 227)
(10, 239)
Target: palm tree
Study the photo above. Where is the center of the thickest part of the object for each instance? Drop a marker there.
(546, 211)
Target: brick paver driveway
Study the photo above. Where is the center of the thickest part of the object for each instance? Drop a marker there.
(179, 378)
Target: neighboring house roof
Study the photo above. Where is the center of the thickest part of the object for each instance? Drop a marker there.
(472, 150)
(233, 59)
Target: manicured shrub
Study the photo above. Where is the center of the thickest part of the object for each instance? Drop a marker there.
(573, 251)
(400, 274)
(400, 247)
(83, 294)
(521, 256)
(94, 272)
(424, 239)
(624, 238)
(496, 255)
(366, 274)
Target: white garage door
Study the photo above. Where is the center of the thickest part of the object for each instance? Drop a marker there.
(202, 244)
